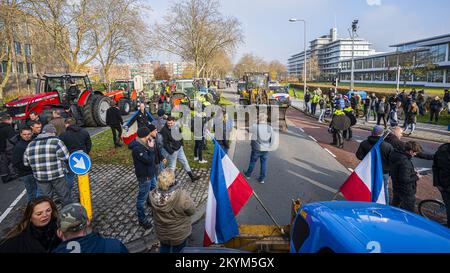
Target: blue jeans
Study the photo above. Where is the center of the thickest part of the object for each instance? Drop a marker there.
(386, 187)
(176, 156)
(144, 189)
(253, 159)
(70, 179)
(322, 115)
(172, 249)
(31, 187)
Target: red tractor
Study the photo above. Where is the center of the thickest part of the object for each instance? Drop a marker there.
(125, 94)
(70, 92)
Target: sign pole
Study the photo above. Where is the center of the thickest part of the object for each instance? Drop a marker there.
(85, 193)
(80, 164)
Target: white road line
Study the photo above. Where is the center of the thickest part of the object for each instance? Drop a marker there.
(333, 155)
(351, 170)
(320, 185)
(13, 204)
(313, 138)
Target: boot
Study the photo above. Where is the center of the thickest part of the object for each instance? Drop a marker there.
(193, 177)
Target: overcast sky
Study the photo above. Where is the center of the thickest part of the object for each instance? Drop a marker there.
(269, 34)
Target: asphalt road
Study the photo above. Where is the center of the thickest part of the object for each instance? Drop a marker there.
(13, 196)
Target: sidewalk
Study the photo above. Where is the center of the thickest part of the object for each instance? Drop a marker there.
(424, 131)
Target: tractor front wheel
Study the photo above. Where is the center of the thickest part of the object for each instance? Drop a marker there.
(125, 106)
(101, 105)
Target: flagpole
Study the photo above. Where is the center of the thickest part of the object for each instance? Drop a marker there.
(268, 213)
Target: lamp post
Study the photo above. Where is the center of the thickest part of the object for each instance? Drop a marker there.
(352, 35)
(293, 20)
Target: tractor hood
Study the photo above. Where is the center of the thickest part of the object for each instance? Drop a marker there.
(23, 101)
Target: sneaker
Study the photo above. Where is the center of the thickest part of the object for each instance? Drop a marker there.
(247, 177)
(261, 182)
(195, 158)
(203, 162)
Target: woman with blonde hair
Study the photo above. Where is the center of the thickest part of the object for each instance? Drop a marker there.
(36, 232)
(172, 210)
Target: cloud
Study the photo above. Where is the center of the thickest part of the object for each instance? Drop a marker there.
(374, 2)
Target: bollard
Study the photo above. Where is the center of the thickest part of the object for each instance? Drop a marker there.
(80, 164)
(85, 193)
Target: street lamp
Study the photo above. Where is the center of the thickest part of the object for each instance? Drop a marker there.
(353, 34)
(293, 20)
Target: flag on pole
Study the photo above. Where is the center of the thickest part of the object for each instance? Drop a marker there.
(365, 184)
(130, 134)
(228, 193)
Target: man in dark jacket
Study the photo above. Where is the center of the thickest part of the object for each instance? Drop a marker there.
(385, 149)
(75, 231)
(447, 99)
(145, 169)
(6, 132)
(435, 109)
(382, 109)
(441, 175)
(395, 139)
(173, 149)
(76, 139)
(25, 172)
(404, 176)
(142, 117)
(115, 121)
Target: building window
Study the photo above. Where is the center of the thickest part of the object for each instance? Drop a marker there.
(420, 78)
(27, 50)
(390, 76)
(436, 76)
(18, 48)
(391, 61)
(448, 75)
(378, 62)
(367, 77)
(29, 68)
(368, 64)
(438, 53)
(20, 68)
(358, 64)
(378, 76)
(3, 67)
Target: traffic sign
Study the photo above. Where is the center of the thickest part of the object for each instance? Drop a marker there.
(80, 163)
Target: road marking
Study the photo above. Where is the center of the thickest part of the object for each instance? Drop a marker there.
(320, 185)
(13, 204)
(301, 129)
(333, 155)
(313, 138)
(351, 170)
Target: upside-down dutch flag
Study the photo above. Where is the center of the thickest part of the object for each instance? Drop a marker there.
(365, 184)
(228, 193)
(131, 133)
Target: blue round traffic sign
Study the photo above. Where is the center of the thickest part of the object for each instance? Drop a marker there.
(80, 163)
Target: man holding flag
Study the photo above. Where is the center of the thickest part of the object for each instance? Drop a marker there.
(385, 151)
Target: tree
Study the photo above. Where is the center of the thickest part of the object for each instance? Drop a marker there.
(313, 69)
(250, 63)
(218, 66)
(72, 26)
(128, 33)
(161, 74)
(276, 69)
(188, 72)
(196, 31)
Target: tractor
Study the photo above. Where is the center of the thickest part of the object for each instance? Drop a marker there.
(70, 92)
(125, 93)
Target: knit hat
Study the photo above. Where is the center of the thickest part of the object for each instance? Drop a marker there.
(72, 218)
(377, 131)
(49, 129)
(161, 112)
(143, 132)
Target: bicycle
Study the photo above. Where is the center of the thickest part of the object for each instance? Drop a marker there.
(434, 210)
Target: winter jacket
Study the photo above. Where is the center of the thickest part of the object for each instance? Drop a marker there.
(307, 97)
(59, 124)
(6, 132)
(400, 146)
(172, 211)
(411, 115)
(114, 117)
(92, 243)
(382, 108)
(441, 168)
(436, 106)
(170, 144)
(447, 97)
(385, 149)
(33, 240)
(143, 159)
(403, 173)
(142, 119)
(17, 158)
(77, 139)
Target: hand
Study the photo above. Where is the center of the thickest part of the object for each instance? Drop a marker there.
(164, 161)
(418, 175)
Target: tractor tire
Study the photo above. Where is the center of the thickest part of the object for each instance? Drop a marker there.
(125, 106)
(88, 112)
(100, 106)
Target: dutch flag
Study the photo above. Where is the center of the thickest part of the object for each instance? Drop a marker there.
(365, 184)
(228, 193)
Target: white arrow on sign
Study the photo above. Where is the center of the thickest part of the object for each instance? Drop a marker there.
(79, 163)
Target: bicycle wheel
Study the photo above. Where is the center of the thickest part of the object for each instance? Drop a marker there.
(433, 210)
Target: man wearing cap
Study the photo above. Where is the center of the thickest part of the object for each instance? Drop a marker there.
(77, 236)
(145, 168)
(46, 155)
(385, 149)
(115, 121)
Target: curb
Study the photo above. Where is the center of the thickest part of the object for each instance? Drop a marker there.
(366, 128)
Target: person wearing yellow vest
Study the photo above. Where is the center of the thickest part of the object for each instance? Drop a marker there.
(348, 134)
(315, 100)
(338, 139)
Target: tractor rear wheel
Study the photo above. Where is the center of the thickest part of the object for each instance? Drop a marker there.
(88, 112)
(125, 106)
(100, 106)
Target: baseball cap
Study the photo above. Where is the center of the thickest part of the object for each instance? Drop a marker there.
(378, 131)
(72, 218)
(49, 129)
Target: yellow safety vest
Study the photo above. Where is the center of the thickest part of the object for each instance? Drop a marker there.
(339, 113)
(348, 109)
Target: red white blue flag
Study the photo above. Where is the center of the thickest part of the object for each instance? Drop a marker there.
(228, 193)
(365, 184)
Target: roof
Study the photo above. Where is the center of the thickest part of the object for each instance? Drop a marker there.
(440, 37)
(396, 230)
